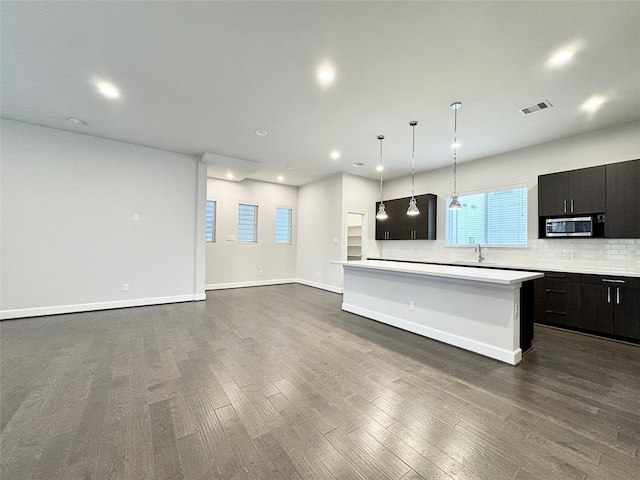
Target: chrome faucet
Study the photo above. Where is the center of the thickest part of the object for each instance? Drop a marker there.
(478, 250)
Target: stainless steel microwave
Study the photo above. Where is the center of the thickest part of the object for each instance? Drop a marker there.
(569, 227)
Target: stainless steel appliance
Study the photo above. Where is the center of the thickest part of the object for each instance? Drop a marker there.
(569, 227)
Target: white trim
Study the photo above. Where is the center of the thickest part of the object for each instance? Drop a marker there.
(88, 307)
(321, 286)
(257, 283)
(507, 356)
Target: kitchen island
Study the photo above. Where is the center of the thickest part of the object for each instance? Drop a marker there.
(487, 311)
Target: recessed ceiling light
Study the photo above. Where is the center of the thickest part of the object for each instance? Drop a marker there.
(562, 57)
(108, 90)
(262, 133)
(379, 168)
(289, 167)
(456, 145)
(280, 178)
(593, 104)
(326, 75)
(335, 154)
(229, 175)
(75, 121)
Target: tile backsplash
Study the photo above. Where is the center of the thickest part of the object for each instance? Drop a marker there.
(572, 254)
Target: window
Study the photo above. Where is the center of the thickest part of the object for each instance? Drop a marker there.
(497, 218)
(283, 225)
(247, 223)
(210, 221)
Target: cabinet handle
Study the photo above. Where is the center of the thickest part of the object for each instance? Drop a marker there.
(565, 206)
(556, 313)
(555, 291)
(556, 275)
(618, 295)
(610, 280)
(572, 205)
(608, 294)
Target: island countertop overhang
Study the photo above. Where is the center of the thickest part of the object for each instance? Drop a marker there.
(474, 274)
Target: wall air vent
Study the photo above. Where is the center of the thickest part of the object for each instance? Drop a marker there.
(535, 107)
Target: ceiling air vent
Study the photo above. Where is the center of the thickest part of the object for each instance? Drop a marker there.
(359, 164)
(535, 107)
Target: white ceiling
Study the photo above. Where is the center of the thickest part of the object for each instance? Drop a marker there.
(202, 77)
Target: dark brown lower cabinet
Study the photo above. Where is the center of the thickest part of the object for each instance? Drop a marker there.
(557, 299)
(610, 305)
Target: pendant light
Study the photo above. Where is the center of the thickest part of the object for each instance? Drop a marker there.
(455, 203)
(381, 215)
(413, 208)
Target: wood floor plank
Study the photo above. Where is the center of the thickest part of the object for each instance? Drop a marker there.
(166, 457)
(387, 460)
(277, 382)
(243, 448)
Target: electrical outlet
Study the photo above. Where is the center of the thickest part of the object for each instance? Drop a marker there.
(125, 287)
(574, 255)
(136, 218)
(231, 238)
(412, 306)
(318, 274)
(516, 310)
(260, 273)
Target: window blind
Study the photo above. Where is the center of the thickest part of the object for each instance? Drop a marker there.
(283, 225)
(247, 223)
(210, 221)
(495, 218)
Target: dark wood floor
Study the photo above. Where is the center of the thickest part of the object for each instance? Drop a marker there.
(279, 383)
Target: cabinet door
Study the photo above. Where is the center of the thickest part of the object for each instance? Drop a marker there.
(383, 227)
(626, 314)
(389, 229)
(424, 225)
(553, 193)
(557, 299)
(562, 302)
(597, 307)
(586, 190)
(622, 218)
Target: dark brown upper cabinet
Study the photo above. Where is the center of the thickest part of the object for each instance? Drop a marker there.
(623, 200)
(400, 226)
(576, 192)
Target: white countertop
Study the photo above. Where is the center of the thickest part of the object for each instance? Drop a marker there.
(493, 275)
(542, 267)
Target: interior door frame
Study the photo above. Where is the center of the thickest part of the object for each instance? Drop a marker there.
(345, 234)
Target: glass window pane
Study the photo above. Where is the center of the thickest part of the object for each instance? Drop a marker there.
(247, 223)
(210, 221)
(283, 225)
(496, 218)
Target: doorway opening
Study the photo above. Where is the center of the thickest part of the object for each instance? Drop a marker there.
(355, 236)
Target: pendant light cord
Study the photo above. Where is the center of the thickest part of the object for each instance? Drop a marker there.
(381, 137)
(413, 159)
(455, 148)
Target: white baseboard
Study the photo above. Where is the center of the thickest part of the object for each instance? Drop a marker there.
(88, 307)
(321, 286)
(257, 283)
(498, 353)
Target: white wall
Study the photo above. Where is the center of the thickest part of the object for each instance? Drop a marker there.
(68, 240)
(321, 232)
(359, 195)
(233, 264)
(517, 167)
